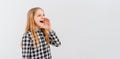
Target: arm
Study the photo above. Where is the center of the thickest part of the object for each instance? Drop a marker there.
(26, 47)
(54, 40)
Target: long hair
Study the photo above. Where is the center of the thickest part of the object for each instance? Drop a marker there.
(30, 27)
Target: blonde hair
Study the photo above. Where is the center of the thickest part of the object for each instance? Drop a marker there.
(30, 27)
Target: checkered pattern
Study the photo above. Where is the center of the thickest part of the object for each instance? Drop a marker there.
(41, 52)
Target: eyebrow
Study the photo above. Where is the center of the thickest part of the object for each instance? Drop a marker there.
(42, 14)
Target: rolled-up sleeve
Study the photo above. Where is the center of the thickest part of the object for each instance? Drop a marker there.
(26, 47)
(54, 40)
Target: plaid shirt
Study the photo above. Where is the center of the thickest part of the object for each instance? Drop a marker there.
(41, 52)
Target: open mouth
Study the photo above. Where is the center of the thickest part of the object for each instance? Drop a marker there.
(41, 21)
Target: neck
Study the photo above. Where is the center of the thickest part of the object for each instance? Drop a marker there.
(37, 28)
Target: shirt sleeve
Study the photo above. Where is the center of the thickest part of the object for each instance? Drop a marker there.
(26, 46)
(54, 40)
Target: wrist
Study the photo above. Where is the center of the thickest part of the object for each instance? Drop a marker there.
(50, 30)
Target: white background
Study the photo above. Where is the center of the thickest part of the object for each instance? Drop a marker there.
(88, 29)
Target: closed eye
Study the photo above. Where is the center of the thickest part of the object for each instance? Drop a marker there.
(41, 15)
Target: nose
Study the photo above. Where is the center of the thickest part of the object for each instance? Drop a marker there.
(42, 17)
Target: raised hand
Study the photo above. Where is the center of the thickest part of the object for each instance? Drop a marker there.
(47, 24)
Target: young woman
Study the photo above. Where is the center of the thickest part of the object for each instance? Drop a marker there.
(38, 36)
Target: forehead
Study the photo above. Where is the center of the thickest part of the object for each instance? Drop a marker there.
(39, 11)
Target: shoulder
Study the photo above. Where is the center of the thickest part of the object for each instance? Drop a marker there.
(26, 36)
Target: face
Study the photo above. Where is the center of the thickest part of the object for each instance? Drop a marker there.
(39, 18)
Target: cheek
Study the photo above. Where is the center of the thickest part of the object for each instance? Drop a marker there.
(36, 20)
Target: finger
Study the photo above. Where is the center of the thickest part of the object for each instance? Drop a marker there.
(47, 21)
